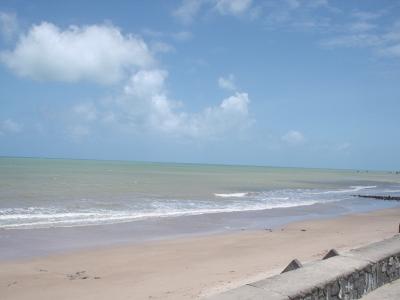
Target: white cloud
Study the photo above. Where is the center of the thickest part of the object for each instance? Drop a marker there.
(8, 25)
(146, 106)
(233, 7)
(227, 83)
(293, 137)
(9, 126)
(146, 83)
(145, 103)
(231, 115)
(99, 53)
(237, 103)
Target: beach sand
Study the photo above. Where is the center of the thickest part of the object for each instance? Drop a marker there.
(191, 267)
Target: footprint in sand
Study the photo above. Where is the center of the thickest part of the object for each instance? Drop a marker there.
(78, 275)
(12, 283)
(81, 275)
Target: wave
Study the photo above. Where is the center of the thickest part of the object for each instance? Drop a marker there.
(352, 189)
(110, 217)
(391, 191)
(232, 195)
(96, 213)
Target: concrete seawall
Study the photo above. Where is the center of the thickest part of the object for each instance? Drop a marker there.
(349, 275)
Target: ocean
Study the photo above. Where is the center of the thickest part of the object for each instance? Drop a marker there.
(43, 193)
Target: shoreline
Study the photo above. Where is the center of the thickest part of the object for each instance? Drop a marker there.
(41, 242)
(189, 267)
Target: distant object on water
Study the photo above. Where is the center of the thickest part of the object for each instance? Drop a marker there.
(393, 198)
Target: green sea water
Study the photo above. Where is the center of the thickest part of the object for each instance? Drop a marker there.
(38, 192)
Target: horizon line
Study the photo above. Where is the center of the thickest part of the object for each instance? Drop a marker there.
(199, 163)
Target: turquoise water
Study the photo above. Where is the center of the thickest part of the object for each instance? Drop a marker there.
(60, 192)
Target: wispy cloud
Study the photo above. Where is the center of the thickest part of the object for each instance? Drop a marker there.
(362, 26)
(8, 25)
(298, 15)
(367, 15)
(227, 83)
(385, 42)
(188, 10)
(378, 31)
(344, 147)
(161, 47)
(86, 111)
(9, 126)
(180, 36)
(78, 132)
(232, 7)
(353, 41)
(293, 137)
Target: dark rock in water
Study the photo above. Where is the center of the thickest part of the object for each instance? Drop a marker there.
(378, 197)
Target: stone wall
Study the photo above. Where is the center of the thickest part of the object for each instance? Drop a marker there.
(348, 276)
(358, 283)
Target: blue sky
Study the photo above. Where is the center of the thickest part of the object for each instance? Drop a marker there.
(312, 83)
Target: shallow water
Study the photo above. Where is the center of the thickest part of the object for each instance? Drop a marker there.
(40, 193)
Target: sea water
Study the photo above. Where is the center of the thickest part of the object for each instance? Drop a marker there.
(41, 193)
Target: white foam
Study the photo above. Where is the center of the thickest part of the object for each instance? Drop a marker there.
(391, 191)
(95, 214)
(232, 195)
(111, 217)
(352, 189)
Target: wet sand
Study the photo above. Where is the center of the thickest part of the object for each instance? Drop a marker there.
(29, 243)
(187, 267)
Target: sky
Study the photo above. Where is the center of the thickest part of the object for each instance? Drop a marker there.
(299, 83)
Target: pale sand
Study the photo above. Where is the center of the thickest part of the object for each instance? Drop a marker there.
(190, 267)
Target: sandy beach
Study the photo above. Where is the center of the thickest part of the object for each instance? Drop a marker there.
(180, 149)
(188, 268)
